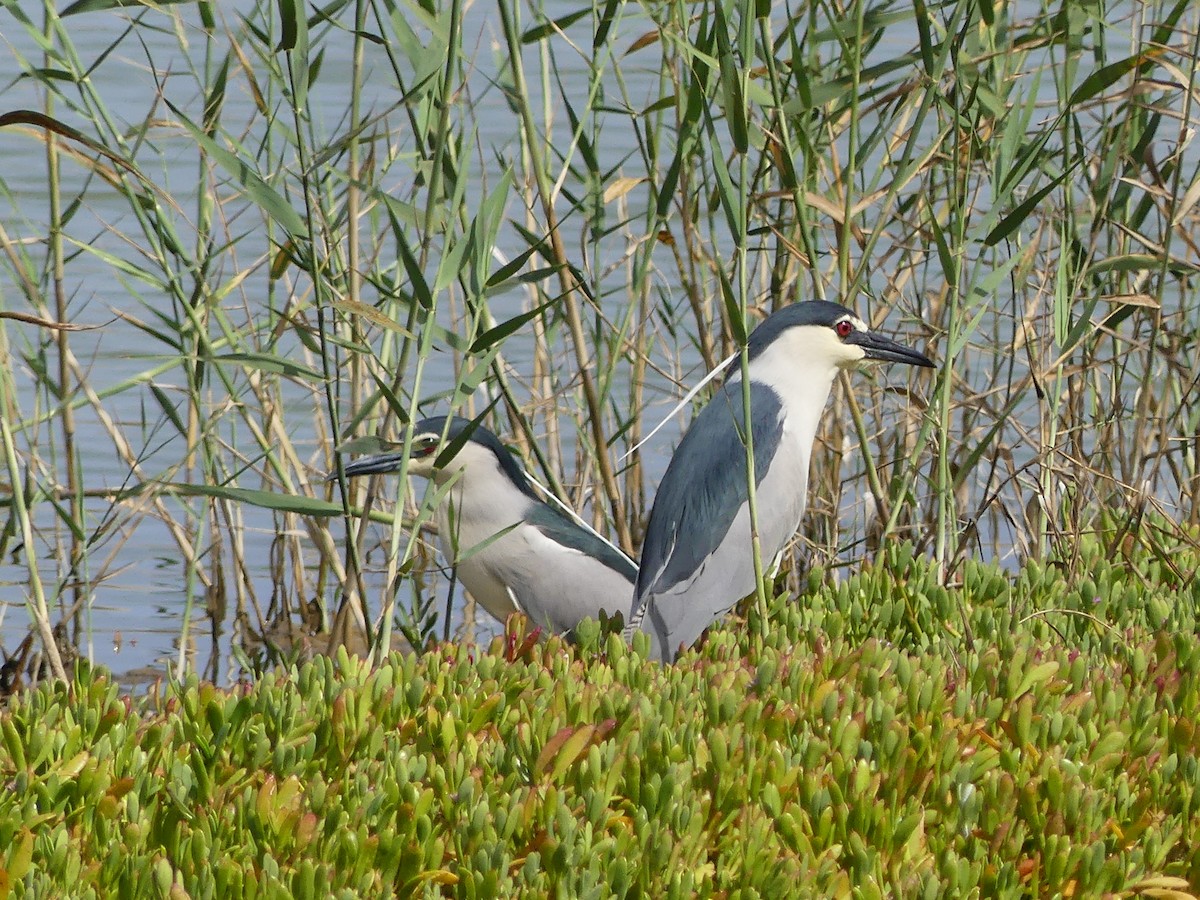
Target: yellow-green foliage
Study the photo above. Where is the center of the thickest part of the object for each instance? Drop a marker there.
(892, 738)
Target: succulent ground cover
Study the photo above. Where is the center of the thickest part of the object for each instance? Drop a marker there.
(238, 237)
(1034, 736)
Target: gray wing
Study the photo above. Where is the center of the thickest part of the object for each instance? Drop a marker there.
(689, 573)
(559, 527)
(567, 574)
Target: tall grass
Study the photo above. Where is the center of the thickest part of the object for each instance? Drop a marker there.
(322, 225)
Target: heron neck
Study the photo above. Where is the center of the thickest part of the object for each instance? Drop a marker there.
(803, 387)
(804, 403)
(483, 497)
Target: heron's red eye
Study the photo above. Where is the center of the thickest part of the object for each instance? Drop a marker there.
(843, 328)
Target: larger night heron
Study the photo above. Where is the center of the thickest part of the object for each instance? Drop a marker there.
(513, 552)
(697, 561)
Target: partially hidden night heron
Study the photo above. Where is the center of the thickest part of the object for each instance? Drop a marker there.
(513, 551)
(697, 559)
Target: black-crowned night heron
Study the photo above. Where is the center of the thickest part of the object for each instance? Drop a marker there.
(513, 552)
(697, 561)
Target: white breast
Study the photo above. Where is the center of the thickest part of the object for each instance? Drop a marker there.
(802, 376)
(476, 524)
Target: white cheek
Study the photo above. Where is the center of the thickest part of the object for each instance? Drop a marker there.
(473, 462)
(806, 354)
(850, 355)
(447, 473)
(422, 466)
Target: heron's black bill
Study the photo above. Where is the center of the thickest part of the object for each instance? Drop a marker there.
(878, 347)
(375, 465)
